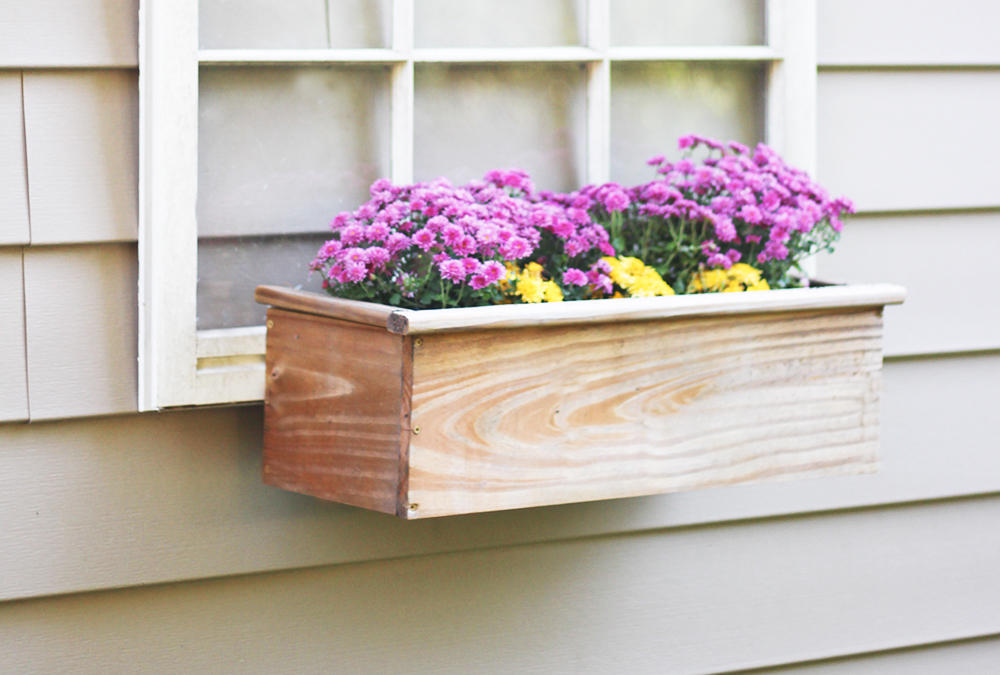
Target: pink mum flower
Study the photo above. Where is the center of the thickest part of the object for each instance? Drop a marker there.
(492, 271)
(355, 271)
(377, 256)
(424, 238)
(515, 248)
(452, 270)
(574, 277)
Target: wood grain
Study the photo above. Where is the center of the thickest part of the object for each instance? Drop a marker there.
(510, 419)
(333, 409)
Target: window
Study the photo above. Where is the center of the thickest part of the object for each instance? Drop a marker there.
(255, 134)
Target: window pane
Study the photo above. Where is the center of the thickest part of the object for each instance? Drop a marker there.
(652, 104)
(280, 152)
(283, 149)
(470, 119)
(487, 23)
(294, 24)
(230, 268)
(687, 22)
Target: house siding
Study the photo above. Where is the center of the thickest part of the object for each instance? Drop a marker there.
(148, 542)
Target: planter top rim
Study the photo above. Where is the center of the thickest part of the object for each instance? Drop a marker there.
(419, 322)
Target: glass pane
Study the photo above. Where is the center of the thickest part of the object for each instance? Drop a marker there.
(487, 23)
(230, 268)
(470, 119)
(687, 22)
(283, 149)
(294, 24)
(653, 104)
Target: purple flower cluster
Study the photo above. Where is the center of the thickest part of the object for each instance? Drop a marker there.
(427, 244)
(755, 202)
(731, 205)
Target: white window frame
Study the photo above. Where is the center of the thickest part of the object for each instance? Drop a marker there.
(180, 365)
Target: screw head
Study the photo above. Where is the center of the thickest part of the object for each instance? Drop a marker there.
(416, 430)
(414, 507)
(270, 324)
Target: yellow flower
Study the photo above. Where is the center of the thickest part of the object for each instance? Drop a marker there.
(529, 288)
(533, 269)
(708, 281)
(551, 291)
(638, 280)
(740, 277)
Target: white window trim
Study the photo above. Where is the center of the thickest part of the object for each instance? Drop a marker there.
(179, 365)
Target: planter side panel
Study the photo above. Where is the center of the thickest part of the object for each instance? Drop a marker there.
(517, 418)
(333, 415)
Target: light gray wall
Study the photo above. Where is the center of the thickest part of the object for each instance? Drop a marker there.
(97, 503)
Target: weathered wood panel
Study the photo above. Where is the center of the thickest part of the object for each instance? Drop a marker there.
(82, 142)
(334, 409)
(13, 375)
(81, 329)
(694, 600)
(56, 33)
(910, 140)
(13, 176)
(179, 496)
(940, 258)
(907, 32)
(510, 419)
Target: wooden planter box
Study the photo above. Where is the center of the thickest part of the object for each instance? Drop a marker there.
(441, 412)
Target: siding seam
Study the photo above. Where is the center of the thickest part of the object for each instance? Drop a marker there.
(24, 150)
(24, 275)
(846, 658)
(24, 333)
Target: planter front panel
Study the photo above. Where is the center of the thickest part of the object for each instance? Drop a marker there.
(534, 416)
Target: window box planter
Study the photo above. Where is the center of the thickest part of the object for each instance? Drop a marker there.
(443, 412)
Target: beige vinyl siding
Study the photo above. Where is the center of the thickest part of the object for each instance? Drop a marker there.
(13, 375)
(81, 325)
(82, 140)
(13, 180)
(74, 34)
(906, 140)
(178, 495)
(944, 260)
(691, 600)
(908, 32)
